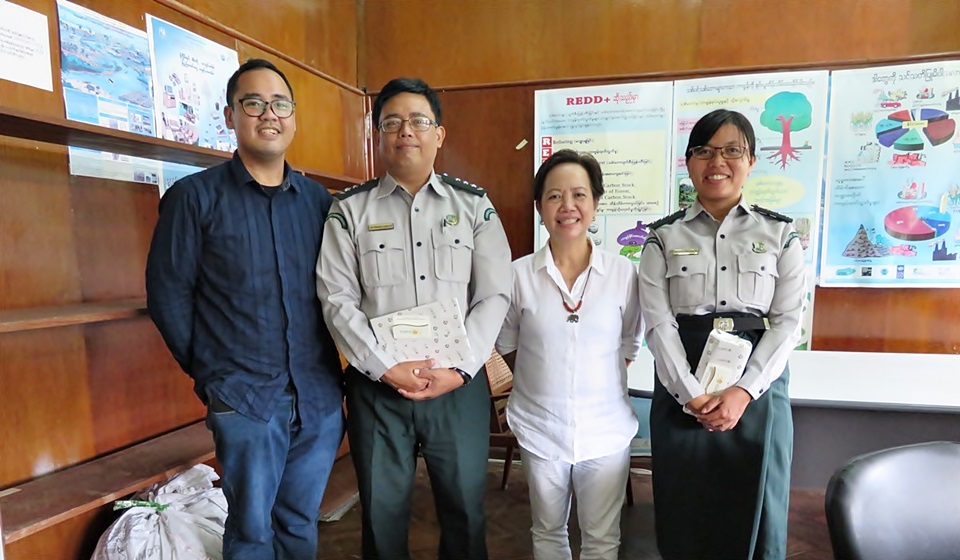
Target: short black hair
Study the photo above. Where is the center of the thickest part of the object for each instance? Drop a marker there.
(397, 86)
(253, 64)
(584, 160)
(709, 124)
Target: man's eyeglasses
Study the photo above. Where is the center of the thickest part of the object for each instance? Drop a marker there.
(255, 107)
(419, 124)
(707, 152)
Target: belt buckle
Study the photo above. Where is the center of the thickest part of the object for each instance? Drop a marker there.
(724, 324)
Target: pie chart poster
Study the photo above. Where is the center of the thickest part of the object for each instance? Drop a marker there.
(892, 204)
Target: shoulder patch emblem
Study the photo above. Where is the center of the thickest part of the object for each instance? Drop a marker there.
(771, 214)
(462, 185)
(668, 219)
(357, 189)
(653, 240)
(793, 235)
(339, 218)
(489, 213)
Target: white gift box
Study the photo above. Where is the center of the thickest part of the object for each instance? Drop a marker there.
(723, 360)
(434, 330)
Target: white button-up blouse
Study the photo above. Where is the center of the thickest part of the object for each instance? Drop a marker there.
(569, 400)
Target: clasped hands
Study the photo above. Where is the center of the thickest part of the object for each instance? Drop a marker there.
(421, 380)
(719, 413)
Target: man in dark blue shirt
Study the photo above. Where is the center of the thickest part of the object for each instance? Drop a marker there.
(231, 287)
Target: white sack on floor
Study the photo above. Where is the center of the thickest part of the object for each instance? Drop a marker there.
(180, 519)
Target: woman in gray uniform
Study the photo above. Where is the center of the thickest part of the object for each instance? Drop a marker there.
(721, 468)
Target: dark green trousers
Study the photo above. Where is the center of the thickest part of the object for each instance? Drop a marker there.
(451, 432)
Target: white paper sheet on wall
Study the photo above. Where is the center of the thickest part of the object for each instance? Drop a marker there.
(24, 47)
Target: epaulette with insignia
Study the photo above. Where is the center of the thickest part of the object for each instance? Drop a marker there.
(668, 219)
(462, 185)
(357, 189)
(771, 214)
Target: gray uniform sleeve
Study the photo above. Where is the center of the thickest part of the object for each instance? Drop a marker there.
(491, 283)
(508, 338)
(338, 287)
(785, 314)
(661, 332)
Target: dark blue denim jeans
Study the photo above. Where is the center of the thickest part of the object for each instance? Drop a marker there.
(274, 474)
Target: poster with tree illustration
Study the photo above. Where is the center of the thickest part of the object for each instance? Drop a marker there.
(788, 113)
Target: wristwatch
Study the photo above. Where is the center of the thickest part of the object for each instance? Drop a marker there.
(466, 376)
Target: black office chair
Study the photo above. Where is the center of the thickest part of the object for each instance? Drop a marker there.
(897, 504)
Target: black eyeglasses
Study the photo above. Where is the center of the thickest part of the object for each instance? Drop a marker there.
(707, 152)
(256, 107)
(419, 124)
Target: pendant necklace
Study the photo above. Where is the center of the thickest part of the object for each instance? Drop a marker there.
(573, 316)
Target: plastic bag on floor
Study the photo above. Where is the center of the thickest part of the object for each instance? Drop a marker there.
(180, 519)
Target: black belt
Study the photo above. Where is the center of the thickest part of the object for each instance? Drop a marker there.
(725, 324)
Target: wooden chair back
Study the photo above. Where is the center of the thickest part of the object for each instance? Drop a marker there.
(500, 378)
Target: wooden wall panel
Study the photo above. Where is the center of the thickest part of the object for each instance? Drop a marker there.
(353, 108)
(140, 390)
(459, 43)
(483, 129)
(500, 41)
(44, 403)
(320, 33)
(934, 26)
(887, 320)
(114, 223)
(794, 31)
(38, 266)
(73, 539)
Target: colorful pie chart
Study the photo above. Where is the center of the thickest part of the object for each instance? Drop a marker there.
(913, 130)
(916, 223)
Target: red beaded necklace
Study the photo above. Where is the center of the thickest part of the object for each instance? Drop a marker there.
(574, 317)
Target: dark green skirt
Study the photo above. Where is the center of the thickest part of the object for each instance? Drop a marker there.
(722, 495)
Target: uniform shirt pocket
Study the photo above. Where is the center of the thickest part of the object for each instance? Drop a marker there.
(757, 278)
(687, 280)
(453, 254)
(382, 259)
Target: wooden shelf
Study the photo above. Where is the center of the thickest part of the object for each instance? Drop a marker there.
(36, 505)
(14, 320)
(341, 492)
(55, 130)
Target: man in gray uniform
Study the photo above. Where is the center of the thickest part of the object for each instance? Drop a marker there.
(412, 238)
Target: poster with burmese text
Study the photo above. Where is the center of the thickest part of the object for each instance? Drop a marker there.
(788, 112)
(626, 127)
(892, 204)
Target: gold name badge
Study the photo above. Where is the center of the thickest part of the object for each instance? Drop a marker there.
(682, 252)
(380, 227)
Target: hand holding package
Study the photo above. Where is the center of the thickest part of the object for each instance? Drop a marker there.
(723, 360)
(434, 330)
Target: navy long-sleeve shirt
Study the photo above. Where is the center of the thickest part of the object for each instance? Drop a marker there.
(231, 286)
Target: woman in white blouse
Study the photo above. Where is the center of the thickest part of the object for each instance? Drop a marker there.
(573, 324)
